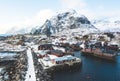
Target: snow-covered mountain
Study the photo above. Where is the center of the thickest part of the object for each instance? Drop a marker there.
(107, 24)
(67, 22)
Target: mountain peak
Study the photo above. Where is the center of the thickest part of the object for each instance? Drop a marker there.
(64, 21)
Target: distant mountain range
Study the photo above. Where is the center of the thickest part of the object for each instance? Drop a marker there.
(22, 30)
(107, 25)
(5, 35)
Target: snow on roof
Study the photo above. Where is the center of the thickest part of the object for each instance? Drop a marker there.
(52, 56)
(60, 59)
(67, 57)
(59, 48)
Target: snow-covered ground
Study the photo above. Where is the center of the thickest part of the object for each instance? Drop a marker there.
(9, 47)
(30, 76)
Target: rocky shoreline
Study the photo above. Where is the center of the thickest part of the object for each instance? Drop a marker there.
(16, 71)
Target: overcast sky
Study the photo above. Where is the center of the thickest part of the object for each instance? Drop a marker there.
(24, 13)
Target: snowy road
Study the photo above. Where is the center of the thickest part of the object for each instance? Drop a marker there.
(30, 76)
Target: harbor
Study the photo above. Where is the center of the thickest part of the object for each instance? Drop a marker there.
(92, 69)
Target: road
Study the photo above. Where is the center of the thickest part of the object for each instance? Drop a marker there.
(30, 76)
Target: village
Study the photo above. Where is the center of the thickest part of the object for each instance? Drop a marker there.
(36, 57)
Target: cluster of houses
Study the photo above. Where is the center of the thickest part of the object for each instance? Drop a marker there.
(52, 55)
(60, 48)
